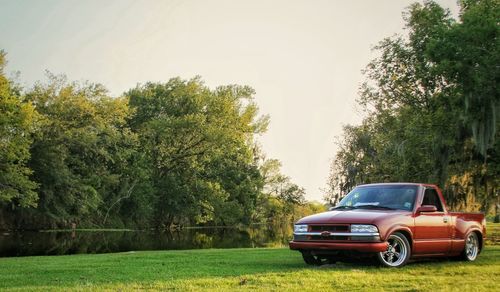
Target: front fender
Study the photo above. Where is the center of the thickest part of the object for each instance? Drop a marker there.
(404, 229)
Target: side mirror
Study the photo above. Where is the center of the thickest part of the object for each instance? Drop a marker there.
(426, 208)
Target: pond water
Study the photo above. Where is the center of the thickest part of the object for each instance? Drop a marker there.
(31, 243)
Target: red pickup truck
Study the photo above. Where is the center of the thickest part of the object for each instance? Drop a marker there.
(394, 221)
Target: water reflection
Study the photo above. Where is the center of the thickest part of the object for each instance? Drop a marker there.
(58, 243)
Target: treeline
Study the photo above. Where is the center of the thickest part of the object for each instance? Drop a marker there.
(433, 109)
(163, 154)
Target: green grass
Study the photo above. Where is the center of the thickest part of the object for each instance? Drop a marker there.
(492, 233)
(234, 269)
(240, 269)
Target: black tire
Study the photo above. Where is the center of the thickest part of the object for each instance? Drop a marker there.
(471, 248)
(310, 259)
(398, 251)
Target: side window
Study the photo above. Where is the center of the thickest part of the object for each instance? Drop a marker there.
(431, 198)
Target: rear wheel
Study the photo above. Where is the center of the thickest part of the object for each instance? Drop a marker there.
(398, 251)
(471, 249)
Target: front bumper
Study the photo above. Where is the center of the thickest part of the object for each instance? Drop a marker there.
(354, 246)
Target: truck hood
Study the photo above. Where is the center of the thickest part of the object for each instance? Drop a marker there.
(362, 216)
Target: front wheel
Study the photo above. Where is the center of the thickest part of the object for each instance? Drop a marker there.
(471, 249)
(315, 260)
(310, 259)
(398, 251)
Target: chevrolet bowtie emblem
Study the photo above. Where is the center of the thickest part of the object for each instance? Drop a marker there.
(325, 233)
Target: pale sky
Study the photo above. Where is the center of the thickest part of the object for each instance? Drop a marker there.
(303, 58)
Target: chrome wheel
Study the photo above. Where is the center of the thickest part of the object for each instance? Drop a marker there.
(397, 253)
(471, 247)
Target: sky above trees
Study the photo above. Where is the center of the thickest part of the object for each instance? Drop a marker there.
(303, 58)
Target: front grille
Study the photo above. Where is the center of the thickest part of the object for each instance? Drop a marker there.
(330, 228)
(319, 237)
(325, 233)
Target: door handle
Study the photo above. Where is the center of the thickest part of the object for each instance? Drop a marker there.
(445, 219)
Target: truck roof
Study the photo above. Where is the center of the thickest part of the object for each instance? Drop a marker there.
(397, 183)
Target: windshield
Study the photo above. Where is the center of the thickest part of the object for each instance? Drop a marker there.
(400, 197)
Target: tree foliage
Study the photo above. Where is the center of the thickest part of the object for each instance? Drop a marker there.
(83, 153)
(162, 155)
(17, 123)
(199, 147)
(432, 105)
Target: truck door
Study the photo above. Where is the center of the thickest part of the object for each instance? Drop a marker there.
(432, 229)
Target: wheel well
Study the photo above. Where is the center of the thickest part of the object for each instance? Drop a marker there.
(480, 238)
(407, 235)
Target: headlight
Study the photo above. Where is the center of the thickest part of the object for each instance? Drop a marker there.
(300, 228)
(364, 228)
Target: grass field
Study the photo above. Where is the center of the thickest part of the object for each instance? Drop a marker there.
(241, 269)
(234, 269)
(493, 233)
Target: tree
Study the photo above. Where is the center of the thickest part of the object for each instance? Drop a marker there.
(432, 102)
(164, 154)
(280, 197)
(83, 153)
(17, 123)
(198, 144)
(468, 55)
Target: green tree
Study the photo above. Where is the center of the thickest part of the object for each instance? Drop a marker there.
(281, 198)
(17, 121)
(83, 153)
(198, 144)
(468, 55)
(432, 103)
(161, 155)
